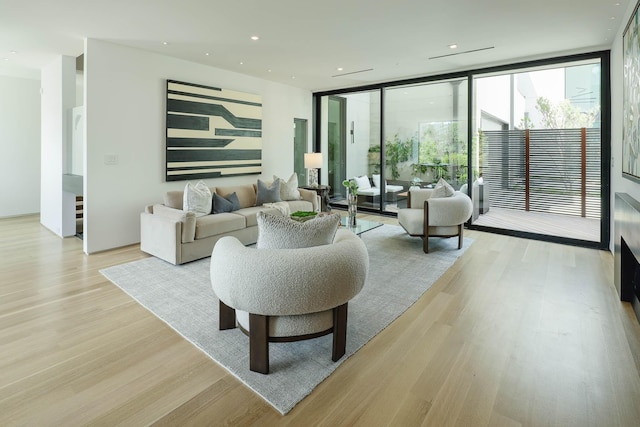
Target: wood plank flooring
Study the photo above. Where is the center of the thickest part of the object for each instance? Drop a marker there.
(516, 333)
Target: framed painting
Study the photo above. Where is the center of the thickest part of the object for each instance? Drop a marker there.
(211, 132)
(631, 99)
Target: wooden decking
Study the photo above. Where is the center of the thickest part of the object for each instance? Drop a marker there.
(572, 227)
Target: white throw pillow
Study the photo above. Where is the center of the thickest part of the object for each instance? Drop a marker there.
(197, 199)
(281, 232)
(363, 182)
(289, 189)
(442, 189)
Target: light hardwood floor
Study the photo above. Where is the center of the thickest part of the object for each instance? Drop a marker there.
(517, 332)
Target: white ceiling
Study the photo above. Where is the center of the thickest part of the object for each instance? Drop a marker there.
(302, 43)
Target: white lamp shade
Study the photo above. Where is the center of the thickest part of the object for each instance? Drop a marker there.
(312, 160)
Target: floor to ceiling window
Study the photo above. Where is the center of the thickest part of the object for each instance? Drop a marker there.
(540, 152)
(425, 129)
(528, 143)
(349, 137)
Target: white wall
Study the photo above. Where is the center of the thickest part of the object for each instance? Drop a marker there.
(359, 112)
(493, 96)
(125, 92)
(618, 183)
(20, 146)
(57, 207)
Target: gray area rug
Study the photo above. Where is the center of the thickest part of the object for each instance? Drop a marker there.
(182, 297)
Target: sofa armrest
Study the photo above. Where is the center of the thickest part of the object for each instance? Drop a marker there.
(187, 221)
(160, 237)
(310, 196)
(445, 211)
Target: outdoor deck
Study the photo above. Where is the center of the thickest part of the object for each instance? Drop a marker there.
(572, 227)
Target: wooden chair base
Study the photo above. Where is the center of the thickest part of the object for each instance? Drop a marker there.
(259, 335)
(425, 238)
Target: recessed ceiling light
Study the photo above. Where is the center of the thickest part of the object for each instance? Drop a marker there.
(13, 52)
(340, 68)
(269, 70)
(241, 63)
(6, 59)
(613, 17)
(453, 46)
(206, 54)
(293, 77)
(165, 43)
(254, 38)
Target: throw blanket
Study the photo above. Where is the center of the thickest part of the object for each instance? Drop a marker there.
(283, 207)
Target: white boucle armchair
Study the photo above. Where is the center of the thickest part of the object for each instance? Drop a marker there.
(280, 295)
(427, 216)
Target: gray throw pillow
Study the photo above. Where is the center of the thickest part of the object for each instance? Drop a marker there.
(281, 232)
(268, 194)
(228, 204)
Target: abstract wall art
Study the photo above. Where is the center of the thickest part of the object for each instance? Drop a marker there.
(212, 132)
(631, 99)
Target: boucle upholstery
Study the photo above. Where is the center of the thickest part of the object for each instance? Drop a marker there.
(278, 232)
(277, 282)
(290, 294)
(444, 215)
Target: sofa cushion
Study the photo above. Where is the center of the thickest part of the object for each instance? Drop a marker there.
(197, 198)
(442, 189)
(412, 220)
(251, 214)
(289, 188)
(278, 232)
(268, 193)
(363, 182)
(211, 225)
(174, 199)
(246, 194)
(376, 180)
(225, 204)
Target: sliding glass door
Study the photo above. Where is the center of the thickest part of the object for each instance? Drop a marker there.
(425, 128)
(350, 136)
(336, 141)
(541, 150)
(528, 143)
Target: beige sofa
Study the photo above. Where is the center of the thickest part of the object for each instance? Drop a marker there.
(177, 236)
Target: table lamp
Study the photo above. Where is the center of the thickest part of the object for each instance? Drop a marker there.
(313, 161)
